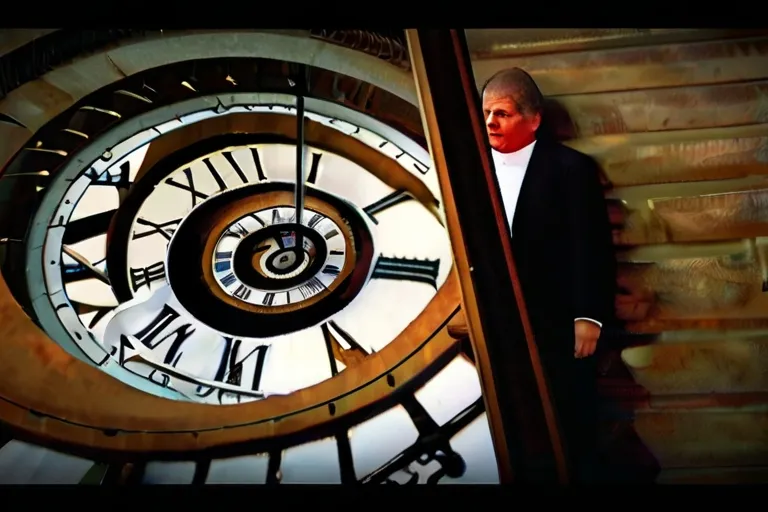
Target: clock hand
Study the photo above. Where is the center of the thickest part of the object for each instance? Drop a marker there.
(300, 171)
(99, 274)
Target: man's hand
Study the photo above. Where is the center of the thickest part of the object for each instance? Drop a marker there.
(587, 334)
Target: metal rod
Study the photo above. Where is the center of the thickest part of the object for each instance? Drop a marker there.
(300, 177)
(520, 413)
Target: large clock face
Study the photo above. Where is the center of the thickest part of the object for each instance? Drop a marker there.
(201, 292)
(281, 255)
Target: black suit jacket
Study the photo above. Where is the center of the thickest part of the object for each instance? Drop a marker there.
(562, 245)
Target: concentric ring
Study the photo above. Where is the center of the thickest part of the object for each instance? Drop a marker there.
(253, 255)
(291, 304)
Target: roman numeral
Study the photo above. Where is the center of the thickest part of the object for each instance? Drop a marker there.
(234, 373)
(189, 187)
(216, 176)
(336, 253)
(403, 269)
(228, 279)
(260, 353)
(257, 163)
(386, 202)
(316, 218)
(331, 270)
(268, 299)
(150, 335)
(237, 231)
(144, 276)
(311, 287)
(423, 169)
(121, 181)
(124, 343)
(230, 370)
(332, 233)
(242, 292)
(341, 346)
(223, 262)
(231, 160)
(160, 229)
(257, 219)
(312, 178)
(275, 217)
(226, 366)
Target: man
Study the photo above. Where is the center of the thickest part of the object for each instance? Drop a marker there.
(563, 251)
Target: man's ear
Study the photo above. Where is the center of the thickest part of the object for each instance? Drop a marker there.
(536, 122)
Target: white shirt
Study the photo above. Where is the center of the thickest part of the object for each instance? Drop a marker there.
(510, 171)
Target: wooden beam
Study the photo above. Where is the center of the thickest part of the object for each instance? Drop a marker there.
(13, 38)
(520, 412)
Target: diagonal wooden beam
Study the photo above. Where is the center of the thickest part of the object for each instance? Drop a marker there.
(520, 412)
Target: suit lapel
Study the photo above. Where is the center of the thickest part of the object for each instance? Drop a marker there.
(526, 208)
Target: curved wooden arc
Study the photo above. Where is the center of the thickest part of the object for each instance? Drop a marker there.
(35, 103)
(47, 393)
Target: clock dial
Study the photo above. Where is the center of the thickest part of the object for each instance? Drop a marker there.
(167, 252)
(267, 264)
(264, 319)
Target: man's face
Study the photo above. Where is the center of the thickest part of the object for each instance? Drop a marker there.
(508, 130)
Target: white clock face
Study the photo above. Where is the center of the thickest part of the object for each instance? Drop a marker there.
(153, 342)
(372, 390)
(276, 259)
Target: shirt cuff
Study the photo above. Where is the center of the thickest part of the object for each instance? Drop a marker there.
(590, 320)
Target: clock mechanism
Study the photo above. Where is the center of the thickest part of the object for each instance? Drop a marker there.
(249, 281)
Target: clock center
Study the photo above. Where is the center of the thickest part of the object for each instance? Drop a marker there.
(279, 256)
(283, 261)
(242, 264)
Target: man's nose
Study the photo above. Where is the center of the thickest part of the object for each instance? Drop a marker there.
(490, 121)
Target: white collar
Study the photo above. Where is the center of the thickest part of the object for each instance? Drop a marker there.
(519, 158)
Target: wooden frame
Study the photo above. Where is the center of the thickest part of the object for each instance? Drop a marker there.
(515, 390)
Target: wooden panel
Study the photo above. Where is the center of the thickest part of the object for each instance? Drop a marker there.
(726, 365)
(706, 437)
(12, 138)
(676, 108)
(730, 215)
(698, 288)
(12, 38)
(678, 121)
(696, 160)
(495, 43)
(35, 103)
(622, 69)
(706, 216)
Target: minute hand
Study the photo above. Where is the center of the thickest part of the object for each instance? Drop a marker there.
(300, 169)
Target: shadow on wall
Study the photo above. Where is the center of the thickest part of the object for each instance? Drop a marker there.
(624, 455)
(556, 122)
